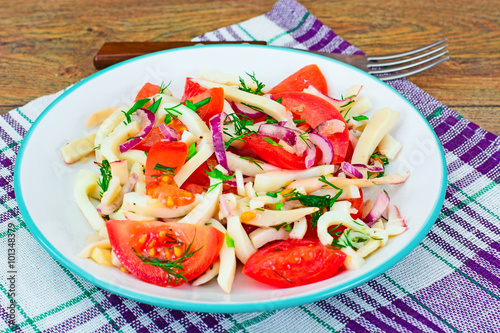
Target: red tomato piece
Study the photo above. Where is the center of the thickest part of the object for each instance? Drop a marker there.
(307, 76)
(156, 135)
(274, 154)
(147, 90)
(199, 176)
(192, 89)
(168, 193)
(294, 262)
(153, 137)
(357, 204)
(194, 188)
(315, 111)
(349, 152)
(167, 154)
(215, 106)
(164, 160)
(136, 243)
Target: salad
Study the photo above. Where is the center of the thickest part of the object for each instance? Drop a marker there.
(184, 189)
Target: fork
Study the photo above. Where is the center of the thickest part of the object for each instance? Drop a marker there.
(375, 65)
(114, 52)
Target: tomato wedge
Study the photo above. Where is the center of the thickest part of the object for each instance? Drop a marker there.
(192, 89)
(164, 160)
(294, 262)
(153, 137)
(156, 135)
(274, 154)
(150, 249)
(307, 76)
(357, 204)
(147, 90)
(215, 106)
(315, 111)
(170, 155)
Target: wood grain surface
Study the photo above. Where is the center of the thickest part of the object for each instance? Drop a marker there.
(47, 45)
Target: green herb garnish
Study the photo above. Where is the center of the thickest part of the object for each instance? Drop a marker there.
(271, 142)
(270, 120)
(252, 161)
(323, 202)
(164, 169)
(279, 226)
(137, 105)
(154, 107)
(174, 268)
(164, 87)
(103, 182)
(197, 105)
(191, 151)
(217, 174)
(257, 90)
(229, 241)
(359, 118)
(240, 127)
(281, 276)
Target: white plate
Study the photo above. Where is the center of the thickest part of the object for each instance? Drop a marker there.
(43, 183)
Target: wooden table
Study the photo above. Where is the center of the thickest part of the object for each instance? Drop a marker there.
(46, 45)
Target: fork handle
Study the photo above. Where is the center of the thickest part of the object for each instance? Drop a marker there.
(115, 52)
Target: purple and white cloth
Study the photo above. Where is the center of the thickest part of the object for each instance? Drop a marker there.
(449, 283)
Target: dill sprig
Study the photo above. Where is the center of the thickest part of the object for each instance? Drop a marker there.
(241, 130)
(281, 276)
(304, 137)
(193, 106)
(257, 90)
(164, 87)
(174, 268)
(252, 160)
(164, 169)
(170, 114)
(197, 105)
(137, 105)
(272, 142)
(359, 118)
(217, 174)
(103, 182)
(154, 107)
(323, 202)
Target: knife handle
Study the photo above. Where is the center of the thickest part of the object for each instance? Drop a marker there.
(115, 52)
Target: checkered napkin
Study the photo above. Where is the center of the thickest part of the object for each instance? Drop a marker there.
(449, 283)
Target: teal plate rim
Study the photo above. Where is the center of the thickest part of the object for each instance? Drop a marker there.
(229, 307)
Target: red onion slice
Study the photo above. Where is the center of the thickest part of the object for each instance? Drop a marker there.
(381, 203)
(127, 187)
(324, 145)
(310, 155)
(337, 103)
(330, 127)
(169, 133)
(350, 170)
(280, 132)
(218, 139)
(147, 121)
(370, 168)
(246, 110)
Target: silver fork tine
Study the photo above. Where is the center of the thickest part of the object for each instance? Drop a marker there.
(407, 53)
(401, 68)
(415, 71)
(403, 61)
